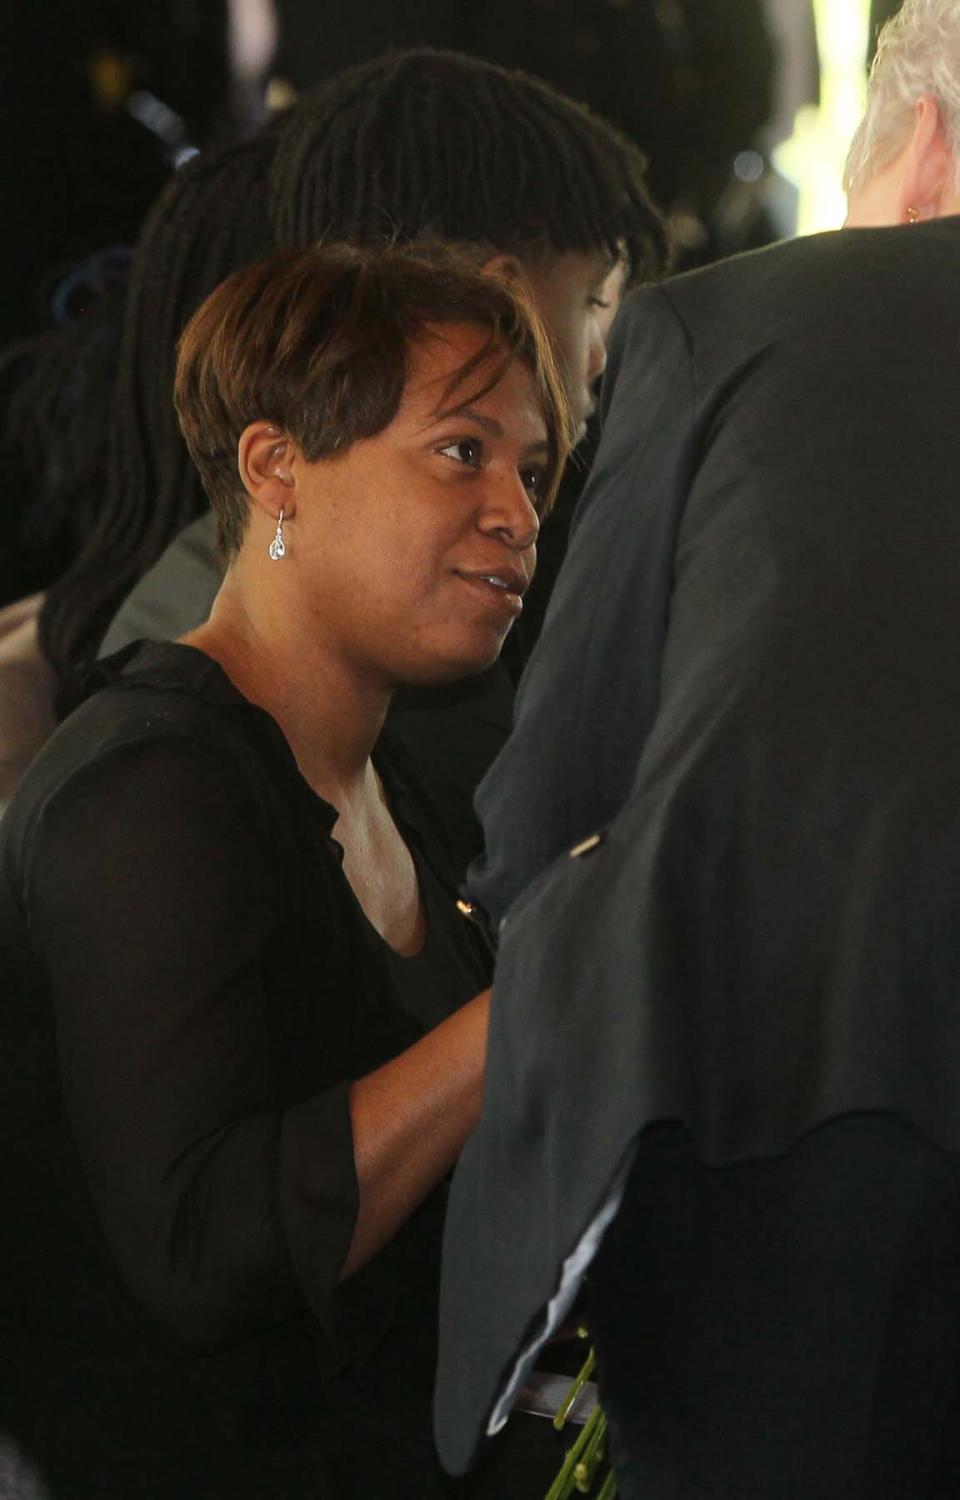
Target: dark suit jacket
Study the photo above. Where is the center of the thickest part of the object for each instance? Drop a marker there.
(748, 682)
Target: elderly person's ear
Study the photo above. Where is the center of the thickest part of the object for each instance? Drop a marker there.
(929, 174)
(266, 459)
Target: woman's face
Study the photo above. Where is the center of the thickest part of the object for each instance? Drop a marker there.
(416, 545)
(578, 294)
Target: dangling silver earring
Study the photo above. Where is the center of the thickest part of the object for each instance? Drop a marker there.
(277, 549)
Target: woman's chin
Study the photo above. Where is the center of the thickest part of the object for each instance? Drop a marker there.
(447, 672)
(450, 665)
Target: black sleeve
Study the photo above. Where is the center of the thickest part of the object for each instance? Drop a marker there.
(590, 692)
(152, 899)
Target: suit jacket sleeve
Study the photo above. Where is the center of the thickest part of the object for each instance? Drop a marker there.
(589, 694)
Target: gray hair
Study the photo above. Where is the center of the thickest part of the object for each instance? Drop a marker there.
(918, 53)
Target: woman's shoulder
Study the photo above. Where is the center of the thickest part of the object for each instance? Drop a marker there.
(149, 692)
(160, 719)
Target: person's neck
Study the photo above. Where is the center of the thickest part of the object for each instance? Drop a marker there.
(330, 714)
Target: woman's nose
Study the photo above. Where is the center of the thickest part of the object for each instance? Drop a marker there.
(510, 511)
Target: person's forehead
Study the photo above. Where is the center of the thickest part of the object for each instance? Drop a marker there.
(442, 348)
(561, 283)
(579, 266)
(434, 360)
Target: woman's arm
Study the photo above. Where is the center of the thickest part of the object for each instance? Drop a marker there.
(147, 881)
(151, 903)
(410, 1120)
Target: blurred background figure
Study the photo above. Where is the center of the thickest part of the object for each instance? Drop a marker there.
(98, 479)
(102, 100)
(54, 391)
(54, 397)
(212, 218)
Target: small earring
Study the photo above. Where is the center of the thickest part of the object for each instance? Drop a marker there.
(913, 215)
(277, 548)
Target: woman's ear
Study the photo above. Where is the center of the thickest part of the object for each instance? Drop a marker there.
(266, 459)
(929, 168)
(508, 267)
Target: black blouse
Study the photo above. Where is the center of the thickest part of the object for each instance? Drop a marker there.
(190, 984)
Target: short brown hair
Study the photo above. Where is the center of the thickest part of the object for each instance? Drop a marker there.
(317, 342)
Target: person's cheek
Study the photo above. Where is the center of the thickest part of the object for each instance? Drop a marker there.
(605, 319)
(596, 349)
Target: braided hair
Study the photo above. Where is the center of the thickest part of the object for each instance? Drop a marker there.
(211, 219)
(54, 392)
(422, 143)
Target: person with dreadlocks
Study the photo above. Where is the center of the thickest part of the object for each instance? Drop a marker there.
(211, 218)
(418, 143)
(54, 391)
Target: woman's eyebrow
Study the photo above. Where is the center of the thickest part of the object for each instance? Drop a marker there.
(488, 424)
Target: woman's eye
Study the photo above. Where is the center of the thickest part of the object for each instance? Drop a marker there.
(598, 302)
(532, 481)
(464, 451)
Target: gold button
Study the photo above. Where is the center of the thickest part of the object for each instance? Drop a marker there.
(587, 846)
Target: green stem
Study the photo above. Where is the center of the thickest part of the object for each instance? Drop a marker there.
(563, 1485)
(590, 1458)
(566, 1406)
(609, 1491)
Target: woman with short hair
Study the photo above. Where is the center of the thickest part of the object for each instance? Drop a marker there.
(902, 166)
(240, 1049)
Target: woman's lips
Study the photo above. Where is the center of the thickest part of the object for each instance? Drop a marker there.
(502, 587)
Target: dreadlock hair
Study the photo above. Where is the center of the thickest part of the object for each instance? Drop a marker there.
(425, 143)
(54, 396)
(211, 218)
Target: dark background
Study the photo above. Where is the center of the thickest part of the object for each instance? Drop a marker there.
(99, 99)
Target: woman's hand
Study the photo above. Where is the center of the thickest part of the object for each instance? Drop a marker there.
(410, 1121)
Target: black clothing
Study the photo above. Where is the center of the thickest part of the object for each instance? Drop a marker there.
(804, 1371)
(763, 426)
(451, 734)
(189, 985)
(746, 686)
